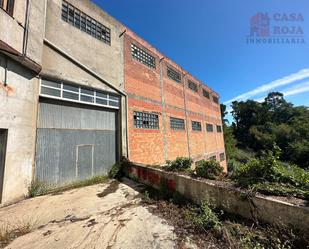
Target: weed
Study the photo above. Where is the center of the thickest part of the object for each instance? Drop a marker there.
(208, 169)
(180, 164)
(205, 218)
(37, 188)
(116, 171)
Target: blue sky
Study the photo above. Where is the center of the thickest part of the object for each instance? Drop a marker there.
(208, 38)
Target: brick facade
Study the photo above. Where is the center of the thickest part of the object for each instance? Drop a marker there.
(150, 90)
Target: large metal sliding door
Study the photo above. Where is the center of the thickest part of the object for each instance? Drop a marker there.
(74, 142)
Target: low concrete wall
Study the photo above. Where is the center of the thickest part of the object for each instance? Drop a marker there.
(233, 201)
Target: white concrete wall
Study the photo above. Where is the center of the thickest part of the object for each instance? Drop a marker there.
(18, 112)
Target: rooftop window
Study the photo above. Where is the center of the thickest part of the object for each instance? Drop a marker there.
(192, 86)
(206, 94)
(174, 75)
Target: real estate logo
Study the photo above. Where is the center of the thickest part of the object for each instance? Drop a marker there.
(277, 28)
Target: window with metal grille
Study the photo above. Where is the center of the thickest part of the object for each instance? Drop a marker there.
(142, 56)
(80, 20)
(222, 157)
(215, 99)
(209, 127)
(172, 74)
(177, 123)
(192, 86)
(75, 93)
(8, 6)
(196, 126)
(213, 158)
(219, 128)
(206, 94)
(146, 120)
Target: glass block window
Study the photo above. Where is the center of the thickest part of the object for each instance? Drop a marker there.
(177, 123)
(222, 157)
(215, 99)
(174, 75)
(142, 56)
(80, 20)
(213, 158)
(209, 127)
(76, 93)
(196, 126)
(192, 86)
(146, 120)
(219, 128)
(206, 94)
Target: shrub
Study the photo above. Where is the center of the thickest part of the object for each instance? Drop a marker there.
(180, 164)
(116, 171)
(208, 169)
(203, 217)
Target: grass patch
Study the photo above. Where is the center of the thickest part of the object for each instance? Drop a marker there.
(39, 188)
(10, 232)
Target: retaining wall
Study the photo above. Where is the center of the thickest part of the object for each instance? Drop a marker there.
(264, 209)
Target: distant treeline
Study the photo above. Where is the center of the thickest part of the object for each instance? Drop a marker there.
(260, 125)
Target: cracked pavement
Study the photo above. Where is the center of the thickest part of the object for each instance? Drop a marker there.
(100, 216)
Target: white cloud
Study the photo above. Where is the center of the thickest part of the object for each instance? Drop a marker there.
(302, 74)
(300, 88)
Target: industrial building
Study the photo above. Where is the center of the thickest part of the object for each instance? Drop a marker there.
(79, 90)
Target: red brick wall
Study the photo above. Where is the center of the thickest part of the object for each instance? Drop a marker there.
(147, 92)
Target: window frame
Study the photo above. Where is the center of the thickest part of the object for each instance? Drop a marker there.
(142, 56)
(191, 84)
(209, 125)
(149, 117)
(172, 74)
(85, 23)
(222, 157)
(8, 6)
(219, 128)
(206, 93)
(196, 125)
(215, 99)
(177, 126)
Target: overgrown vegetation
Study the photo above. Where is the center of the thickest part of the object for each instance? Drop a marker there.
(205, 225)
(208, 169)
(38, 188)
(258, 125)
(116, 172)
(266, 175)
(180, 164)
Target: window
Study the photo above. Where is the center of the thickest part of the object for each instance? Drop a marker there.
(172, 74)
(192, 86)
(196, 126)
(143, 57)
(146, 120)
(215, 99)
(213, 158)
(80, 20)
(219, 128)
(206, 94)
(85, 95)
(8, 6)
(209, 127)
(222, 157)
(177, 123)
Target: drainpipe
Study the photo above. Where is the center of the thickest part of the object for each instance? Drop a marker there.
(26, 29)
(5, 71)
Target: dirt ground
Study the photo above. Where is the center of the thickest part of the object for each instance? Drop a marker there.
(107, 215)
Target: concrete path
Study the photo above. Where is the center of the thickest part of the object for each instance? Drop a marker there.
(101, 216)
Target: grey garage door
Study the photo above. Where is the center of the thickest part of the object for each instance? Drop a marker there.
(74, 142)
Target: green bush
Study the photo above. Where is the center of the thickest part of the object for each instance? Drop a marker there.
(180, 164)
(116, 171)
(208, 169)
(205, 218)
